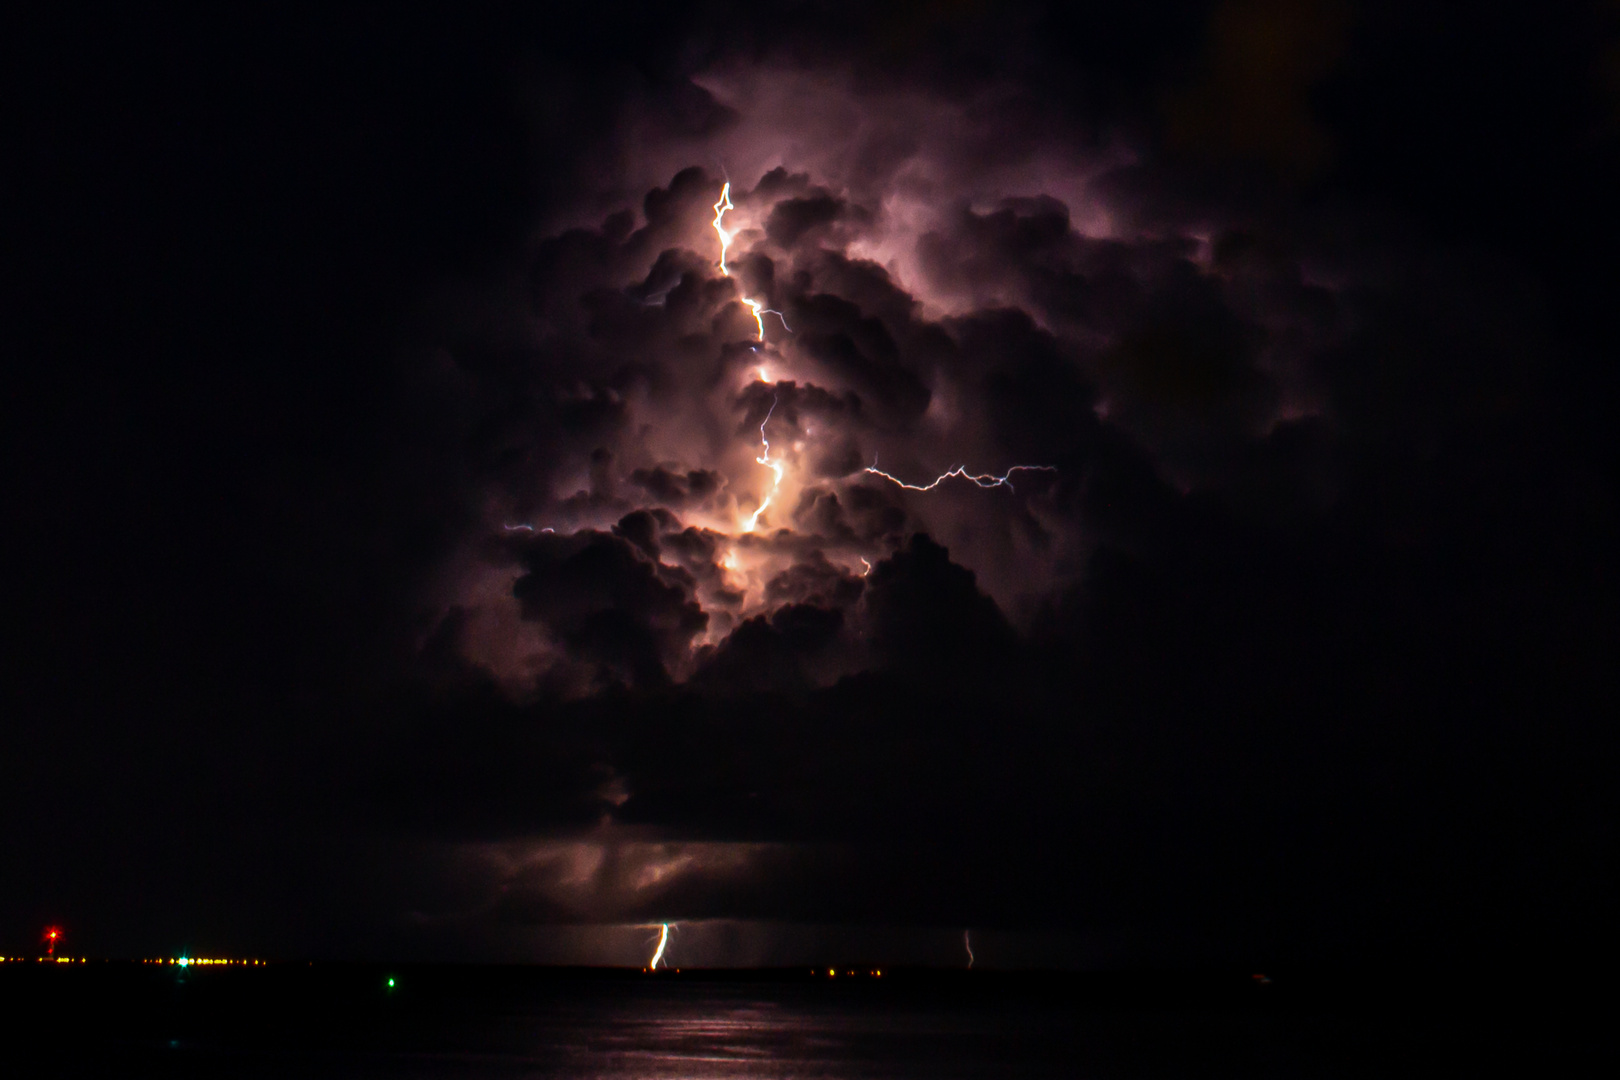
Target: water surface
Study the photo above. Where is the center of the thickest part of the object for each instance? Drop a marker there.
(346, 1021)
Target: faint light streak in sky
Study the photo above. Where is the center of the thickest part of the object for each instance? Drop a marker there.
(984, 480)
(868, 566)
(967, 943)
(526, 528)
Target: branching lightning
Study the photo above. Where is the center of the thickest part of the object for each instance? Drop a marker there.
(967, 943)
(984, 480)
(756, 307)
(777, 464)
(747, 561)
(759, 311)
(663, 942)
(774, 466)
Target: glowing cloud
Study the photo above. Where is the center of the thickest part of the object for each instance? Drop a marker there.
(687, 513)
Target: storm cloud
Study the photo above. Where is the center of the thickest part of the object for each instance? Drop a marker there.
(1160, 495)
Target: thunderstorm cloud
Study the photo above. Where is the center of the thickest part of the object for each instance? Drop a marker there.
(819, 476)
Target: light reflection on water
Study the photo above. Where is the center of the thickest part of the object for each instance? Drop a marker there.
(701, 1032)
(430, 1023)
(673, 1030)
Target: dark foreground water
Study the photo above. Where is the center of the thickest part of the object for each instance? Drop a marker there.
(339, 1020)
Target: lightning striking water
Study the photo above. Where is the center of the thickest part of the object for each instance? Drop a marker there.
(967, 944)
(984, 480)
(774, 466)
(663, 942)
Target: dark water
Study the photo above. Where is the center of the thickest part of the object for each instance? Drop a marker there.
(332, 1021)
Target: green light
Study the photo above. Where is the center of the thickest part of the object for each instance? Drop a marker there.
(390, 984)
(184, 962)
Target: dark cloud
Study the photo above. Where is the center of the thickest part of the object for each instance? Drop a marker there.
(815, 218)
(770, 653)
(608, 602)
(862, 351)
(675, 489)
(926, 612)
(814, 580)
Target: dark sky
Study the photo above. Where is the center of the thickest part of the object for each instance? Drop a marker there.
(384, 446)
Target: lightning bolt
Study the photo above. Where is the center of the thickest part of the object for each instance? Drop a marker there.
(756, 307)
(759, 311)
(868, 569)
(774, 466)
(720, 209)
(526, 528)
(984, 480)
(663, 942)
(967, 944)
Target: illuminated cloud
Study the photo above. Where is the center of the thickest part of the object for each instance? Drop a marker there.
(954, 303)
(392, 432)
(799, 565)
(612, 875)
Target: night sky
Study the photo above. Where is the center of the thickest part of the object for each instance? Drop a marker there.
(390, 571)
